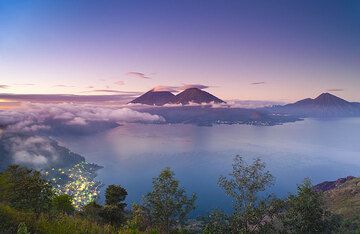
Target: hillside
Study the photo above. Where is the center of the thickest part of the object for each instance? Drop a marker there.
(344, 199)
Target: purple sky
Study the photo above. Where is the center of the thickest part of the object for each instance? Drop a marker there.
(258, 50)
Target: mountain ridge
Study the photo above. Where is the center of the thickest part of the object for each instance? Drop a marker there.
(325, 105)
(190, 95)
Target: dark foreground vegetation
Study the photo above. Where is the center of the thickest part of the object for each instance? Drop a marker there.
(28, 204)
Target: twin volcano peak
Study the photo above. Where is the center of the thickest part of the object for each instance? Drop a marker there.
(190, 95)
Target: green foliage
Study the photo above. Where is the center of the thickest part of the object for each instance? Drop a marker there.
(10, 219)
(140, 219)
(167, 205)
(306, 212)
(243, 186)
(25, 189)
(63, 204)
(115, 195)
(22, 229)
(217, 222)
(114, 210)
(74, 225)
(92, 212)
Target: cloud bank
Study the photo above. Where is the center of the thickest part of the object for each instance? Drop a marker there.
(24, 130)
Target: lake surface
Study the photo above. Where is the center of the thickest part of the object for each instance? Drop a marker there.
(135, 153)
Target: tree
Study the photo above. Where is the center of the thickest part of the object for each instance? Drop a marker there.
(140, 219)
(306, 212)
(25, 189)
(244, 185)
(114, 210)
(167, 204)
(217, 222)
(92, 211)
(63, 204)
(115, 195)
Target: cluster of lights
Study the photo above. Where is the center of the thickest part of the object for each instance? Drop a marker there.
(77, 181)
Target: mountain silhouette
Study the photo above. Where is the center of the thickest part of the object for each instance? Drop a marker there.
(325, 105)
(154, 98)
(195, 95)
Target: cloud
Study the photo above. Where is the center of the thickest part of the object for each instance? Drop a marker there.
(43, 117)
(160, 88)
(258, 83)
(335, 90)
(64, 86)
(121, 97)
(198, 86)
(106, 91)
(34, 151)
(251, 104)
(4, 86)
(77, 121)
(137, 75)
(25, 84)
(119, 82)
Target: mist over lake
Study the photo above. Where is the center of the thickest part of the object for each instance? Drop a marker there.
(132, 154)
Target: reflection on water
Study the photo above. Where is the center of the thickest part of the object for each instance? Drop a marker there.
(133, 154)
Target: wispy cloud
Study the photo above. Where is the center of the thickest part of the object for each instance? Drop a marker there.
(63, 86)
(25, 84)
(335, 90)
(160, 88)
(110, 91)
(198, 86)
(4, 86)
(46, 98)
(179, 88)
(258, 83)
(140, 75)
(119, 82)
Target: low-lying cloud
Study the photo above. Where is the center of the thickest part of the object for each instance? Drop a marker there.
(24, 130)
(121, 97)
(33, 117)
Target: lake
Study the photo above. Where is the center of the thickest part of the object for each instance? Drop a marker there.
(133, 154)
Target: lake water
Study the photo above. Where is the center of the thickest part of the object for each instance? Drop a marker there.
(135, 153)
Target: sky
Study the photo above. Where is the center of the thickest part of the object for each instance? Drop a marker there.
(247, 50)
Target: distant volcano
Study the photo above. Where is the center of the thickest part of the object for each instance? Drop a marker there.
(325, 105)
(154, 98)
(195, 95)
(191, 95)
(324, 100)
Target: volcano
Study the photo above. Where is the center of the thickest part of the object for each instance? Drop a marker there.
(195, 95)
(325, 105)
(154, 98)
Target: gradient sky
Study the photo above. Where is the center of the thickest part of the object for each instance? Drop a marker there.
(255, 50)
